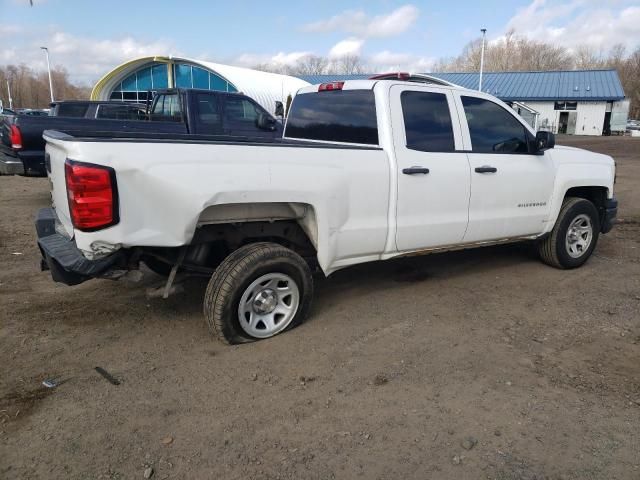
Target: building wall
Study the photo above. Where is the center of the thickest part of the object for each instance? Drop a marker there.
(548, 118)
(589, 119)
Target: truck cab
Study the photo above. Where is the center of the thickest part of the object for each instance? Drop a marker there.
(208, 112)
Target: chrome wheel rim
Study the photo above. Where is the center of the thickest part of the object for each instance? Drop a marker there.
(268, 305)
(579, 236)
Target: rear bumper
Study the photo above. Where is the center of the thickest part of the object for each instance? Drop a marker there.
(610, 214)
(10, 165)
(23, 163)
(61, 256)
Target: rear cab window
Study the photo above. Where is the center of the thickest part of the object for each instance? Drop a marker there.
(75, 110)
(345, 116)
(120, 112)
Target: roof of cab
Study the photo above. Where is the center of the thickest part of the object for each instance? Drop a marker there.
(369, 83)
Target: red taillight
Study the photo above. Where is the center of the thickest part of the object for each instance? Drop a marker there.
(92, 195)
(325, 87)
(16, 137)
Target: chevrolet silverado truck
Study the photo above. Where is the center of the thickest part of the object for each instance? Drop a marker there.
(367, 170)
(173, 111)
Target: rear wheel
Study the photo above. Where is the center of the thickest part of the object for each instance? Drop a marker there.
(574, 235)
(258, 291)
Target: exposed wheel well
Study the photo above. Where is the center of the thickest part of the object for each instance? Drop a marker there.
(596, 195)
(213, 243)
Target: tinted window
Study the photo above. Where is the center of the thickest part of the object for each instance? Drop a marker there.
(240, 109)
(71, 109)
(565, 106)
(492, 128)
(427, 121)
(338, 115)
(167, 109)
(120, 112)
(208, 109)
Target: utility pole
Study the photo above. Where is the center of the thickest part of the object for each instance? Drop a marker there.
(46, 51)
(9, 92)
(484, 34)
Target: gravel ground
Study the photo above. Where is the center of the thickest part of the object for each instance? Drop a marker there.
(475, 364)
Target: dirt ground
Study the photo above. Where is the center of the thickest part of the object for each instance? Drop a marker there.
(467, 365)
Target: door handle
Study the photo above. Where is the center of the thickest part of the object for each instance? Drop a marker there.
(486, 169)
(415, 170)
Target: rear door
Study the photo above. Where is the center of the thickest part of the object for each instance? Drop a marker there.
(208, 113)
(432, 168)
(511, 188)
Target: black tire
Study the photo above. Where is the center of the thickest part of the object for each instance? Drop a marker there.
(235, 275)
(553, 250)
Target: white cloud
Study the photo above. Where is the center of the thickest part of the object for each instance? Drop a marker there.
(350, 46)
(290, 58)
(387, 61)
(86, 59)
(596, 23)
(358, 23)
(279, 59)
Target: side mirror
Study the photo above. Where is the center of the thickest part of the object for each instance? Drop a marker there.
(545, 141)
(266, 122)
(279, 109)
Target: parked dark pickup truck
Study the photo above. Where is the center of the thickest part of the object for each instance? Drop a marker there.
(174, 111)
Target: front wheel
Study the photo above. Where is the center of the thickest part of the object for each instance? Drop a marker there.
(574, 235)
(258, 291)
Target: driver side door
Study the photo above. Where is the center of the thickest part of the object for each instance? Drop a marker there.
(240, 118)
(511, 186)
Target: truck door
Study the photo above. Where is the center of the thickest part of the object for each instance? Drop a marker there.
(433, 177)
(241, 117)
(208, 117)
(571, 125)
(511, 188)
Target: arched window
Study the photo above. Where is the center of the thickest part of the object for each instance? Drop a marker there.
(135, 87)
(190, 76)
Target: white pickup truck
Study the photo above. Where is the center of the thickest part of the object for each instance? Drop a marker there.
(367, 170)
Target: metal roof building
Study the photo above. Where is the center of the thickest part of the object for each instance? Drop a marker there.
(590, 85)
(583, 102)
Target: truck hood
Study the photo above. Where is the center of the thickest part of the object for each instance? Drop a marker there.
(569, 155)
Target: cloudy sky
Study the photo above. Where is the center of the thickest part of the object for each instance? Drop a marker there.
(89, 37)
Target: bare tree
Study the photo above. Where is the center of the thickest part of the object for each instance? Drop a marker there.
(349, 64)
(30, 89)
(585, 57)
(310, 65)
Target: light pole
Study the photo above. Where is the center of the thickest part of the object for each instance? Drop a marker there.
(9, 92)
(484, 34)
(46, 51)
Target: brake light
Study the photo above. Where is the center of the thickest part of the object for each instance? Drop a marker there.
(92, 195)
(391, 76)
(15, 135)
(325, 87)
